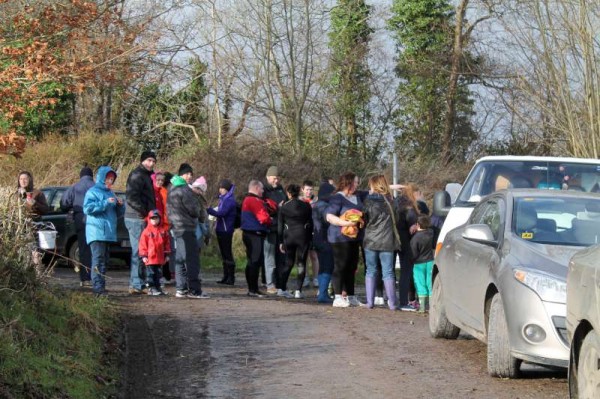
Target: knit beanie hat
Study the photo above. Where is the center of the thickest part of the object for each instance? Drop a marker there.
(200, 183)
(86, 171)
(147, 154)
(272, 171)
(185, 168)
(325, 191)
(226, 184)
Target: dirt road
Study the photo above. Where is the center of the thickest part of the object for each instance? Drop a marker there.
(232, 346)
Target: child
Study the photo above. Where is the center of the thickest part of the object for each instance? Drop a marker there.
(421, 246)
(155, 245)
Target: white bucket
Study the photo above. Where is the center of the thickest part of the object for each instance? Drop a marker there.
(47, 239)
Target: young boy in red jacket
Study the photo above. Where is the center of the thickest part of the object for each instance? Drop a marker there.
(154, 249)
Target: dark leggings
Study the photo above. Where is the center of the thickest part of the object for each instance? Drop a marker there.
(254, 253)
(296, 249)
(225, 247)
(345, 258)
(406, 286)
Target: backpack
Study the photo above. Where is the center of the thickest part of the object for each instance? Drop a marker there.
(237, 223)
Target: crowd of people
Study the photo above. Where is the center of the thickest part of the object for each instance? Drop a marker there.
(168, 219)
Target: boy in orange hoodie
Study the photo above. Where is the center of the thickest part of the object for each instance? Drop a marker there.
(154, 249)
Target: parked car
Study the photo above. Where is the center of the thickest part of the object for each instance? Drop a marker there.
(66, 239)
(583, 322)
(501, 277)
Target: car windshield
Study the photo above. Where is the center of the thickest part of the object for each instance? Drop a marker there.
(490, 176)
(557, 220)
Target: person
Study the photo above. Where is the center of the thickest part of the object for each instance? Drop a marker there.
(140, 201)
(34, 200)
(160, 198)
(72, 200)
(184, 210)
(225, 212)
(308, 196)
(345, 246)
(406, 226)
(154, 249)
(199, 187)
(320, 243)
(295, 232)
(273, 258)
(102, 208)
(35, 204)
(256, 220)
(381, 239)
(421, 246)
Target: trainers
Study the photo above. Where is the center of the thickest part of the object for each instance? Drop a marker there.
(379, 301)
(284, 294)
(256, 294)
(135, 291)
(315, 283)
(408, 308)
(340, 302)
(86, 283)
(272, 290)
(154, 292)
(415, 304)
(306, 282)
(353, 301)
(197, 295)
(298, 295)
(181, 294)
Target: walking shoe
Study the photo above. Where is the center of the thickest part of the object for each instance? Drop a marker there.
(415, 304)
(353, 301)
(85, 283)
(135, 291)
(340, 302)
(298, 295)
(154, 292)
(256, 294)
(181, 294)
(408, 308)
(306, 282)
(284, 294)
(271, 290)
(379, 301)
(315, 282)
(197, 295)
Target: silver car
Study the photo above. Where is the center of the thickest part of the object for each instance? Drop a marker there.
(501, 277)
(583, 322)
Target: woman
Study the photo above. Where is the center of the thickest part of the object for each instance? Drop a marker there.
(381, 239)
(322, 246)
(225, 212)
(345, 247)
(294, 227)
(406, 225)
(34, 199)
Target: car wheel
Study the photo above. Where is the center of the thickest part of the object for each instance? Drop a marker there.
(584, 375)
(500, 362)
(73, 254)
(439, 325)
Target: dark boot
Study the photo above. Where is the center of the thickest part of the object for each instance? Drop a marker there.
(230, 267)
(390, 290)
(370, 283)
(324, 279)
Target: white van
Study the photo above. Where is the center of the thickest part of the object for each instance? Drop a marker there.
(495, 173)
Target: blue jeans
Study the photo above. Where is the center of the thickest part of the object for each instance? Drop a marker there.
(153, 275)
(387, 263)
(135, 228)
(270, 250)
(100, 257)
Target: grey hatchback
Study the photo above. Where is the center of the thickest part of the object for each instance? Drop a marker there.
(501, 277)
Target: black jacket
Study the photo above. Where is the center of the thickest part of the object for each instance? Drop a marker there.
(140, 193)
(73, 199)
(422, 246)
(379, 232)
(183, 209)
(278, 195)
(408, 217)
(295, 221)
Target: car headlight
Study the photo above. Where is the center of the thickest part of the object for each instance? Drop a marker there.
(549, 288)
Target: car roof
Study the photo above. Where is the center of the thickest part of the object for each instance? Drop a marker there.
(540, 192)
(66, 187)
(525, 158)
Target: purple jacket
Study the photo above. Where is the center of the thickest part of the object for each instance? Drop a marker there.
(225, 212)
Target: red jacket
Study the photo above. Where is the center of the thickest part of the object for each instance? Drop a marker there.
(155, 244)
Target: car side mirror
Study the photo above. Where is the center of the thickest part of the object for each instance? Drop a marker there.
(479, 233)
(441, 204)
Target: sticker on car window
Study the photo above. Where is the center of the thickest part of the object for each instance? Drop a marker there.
(527, 235)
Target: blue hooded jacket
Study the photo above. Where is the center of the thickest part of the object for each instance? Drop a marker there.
(101, 221)
(225, 212)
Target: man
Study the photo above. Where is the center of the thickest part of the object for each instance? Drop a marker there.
(308, 196)
(184, 209)
(140, 201)
(273, 258)
(256, 220)
(72, 200)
